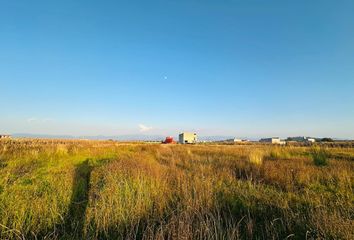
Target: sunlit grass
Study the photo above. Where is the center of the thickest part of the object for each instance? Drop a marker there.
(103, 189)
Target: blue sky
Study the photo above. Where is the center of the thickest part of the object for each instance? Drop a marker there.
(242, 68)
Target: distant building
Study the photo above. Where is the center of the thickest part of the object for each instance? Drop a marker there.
(234, 140)
(4, 136)
(187, 138)
(273, 140)
(301, 139)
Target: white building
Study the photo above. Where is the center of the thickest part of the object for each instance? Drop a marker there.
(311, 140)
(273, 140)
(187, 138)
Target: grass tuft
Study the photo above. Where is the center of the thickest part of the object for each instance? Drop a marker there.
(319, 157)
(256, 157)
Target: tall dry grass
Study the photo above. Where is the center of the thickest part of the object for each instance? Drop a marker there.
(107, 190)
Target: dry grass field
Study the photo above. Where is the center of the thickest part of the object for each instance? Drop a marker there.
(70, 189)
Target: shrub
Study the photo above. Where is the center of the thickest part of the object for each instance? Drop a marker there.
(319, 157)
(327, 140)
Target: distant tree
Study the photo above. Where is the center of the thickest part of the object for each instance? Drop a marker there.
(327, 140)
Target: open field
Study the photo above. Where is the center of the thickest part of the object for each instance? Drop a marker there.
(66, 189)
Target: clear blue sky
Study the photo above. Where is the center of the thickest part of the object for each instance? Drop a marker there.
(243, 68)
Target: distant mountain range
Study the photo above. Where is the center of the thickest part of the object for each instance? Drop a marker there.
(97, 137)
(132, 137)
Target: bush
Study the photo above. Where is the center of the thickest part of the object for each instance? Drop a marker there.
(319, 157)
(327, 140)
